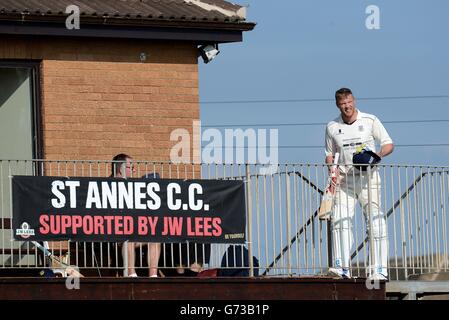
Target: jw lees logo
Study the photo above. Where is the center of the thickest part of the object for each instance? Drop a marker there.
(25, 231)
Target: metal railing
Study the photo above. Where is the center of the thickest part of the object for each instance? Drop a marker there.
(284, 234)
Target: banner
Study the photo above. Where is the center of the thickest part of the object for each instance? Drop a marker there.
(139, 210)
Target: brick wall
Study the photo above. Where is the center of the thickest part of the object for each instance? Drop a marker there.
(99, 99)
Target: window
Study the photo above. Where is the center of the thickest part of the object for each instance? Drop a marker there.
(19, 122)
(19, 140)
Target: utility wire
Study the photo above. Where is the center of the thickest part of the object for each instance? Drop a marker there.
(431, 145)
(314, 123)
(322, 99)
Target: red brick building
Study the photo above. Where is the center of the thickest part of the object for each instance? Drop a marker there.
(120, 83)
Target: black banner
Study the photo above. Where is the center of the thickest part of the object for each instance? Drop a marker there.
(115, 209)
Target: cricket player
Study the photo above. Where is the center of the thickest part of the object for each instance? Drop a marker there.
(354, 136)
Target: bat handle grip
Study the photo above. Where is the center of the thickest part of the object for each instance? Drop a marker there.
(333, 168)
(333, 183)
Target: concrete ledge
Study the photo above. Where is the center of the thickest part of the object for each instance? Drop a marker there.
(413, 288)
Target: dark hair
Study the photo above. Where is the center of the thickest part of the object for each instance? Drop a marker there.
(120, 159)
(342, 93)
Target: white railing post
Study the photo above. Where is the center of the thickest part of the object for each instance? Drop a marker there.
(287, 198)
(249, 220)
(403, 232)
(125, 258)
(371, 258)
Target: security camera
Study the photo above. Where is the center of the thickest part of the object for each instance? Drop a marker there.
(209, 52)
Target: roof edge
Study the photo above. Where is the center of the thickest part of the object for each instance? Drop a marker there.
(126, 22)
(172, 32)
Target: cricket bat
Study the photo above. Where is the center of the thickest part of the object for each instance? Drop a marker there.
(69, 270)
(331, 187)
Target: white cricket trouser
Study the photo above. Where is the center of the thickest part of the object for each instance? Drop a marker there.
(354, 187)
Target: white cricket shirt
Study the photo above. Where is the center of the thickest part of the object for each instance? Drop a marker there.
(345, 138)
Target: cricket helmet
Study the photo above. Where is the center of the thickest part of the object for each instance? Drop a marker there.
(364, 156)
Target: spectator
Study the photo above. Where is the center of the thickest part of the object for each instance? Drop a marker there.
(122, 167)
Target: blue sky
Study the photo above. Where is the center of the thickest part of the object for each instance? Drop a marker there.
(302, 50)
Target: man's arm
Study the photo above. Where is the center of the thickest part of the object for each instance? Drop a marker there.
(385, 150)
(381, 135)
(329, 146)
